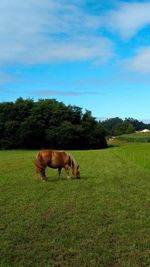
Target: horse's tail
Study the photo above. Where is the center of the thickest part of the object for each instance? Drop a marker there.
(39, 162)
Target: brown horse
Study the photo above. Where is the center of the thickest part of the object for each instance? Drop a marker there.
(56, 160)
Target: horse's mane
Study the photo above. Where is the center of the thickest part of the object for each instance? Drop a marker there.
(73, 162)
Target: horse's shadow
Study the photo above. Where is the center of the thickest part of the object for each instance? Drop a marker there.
(56, 179)
(59, 179)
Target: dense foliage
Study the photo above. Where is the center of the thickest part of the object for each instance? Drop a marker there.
(117, 126)
(48, 124)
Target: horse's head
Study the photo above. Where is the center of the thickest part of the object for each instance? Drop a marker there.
(76, 171)
(74, 166)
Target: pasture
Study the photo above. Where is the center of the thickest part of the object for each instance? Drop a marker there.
(100, 220)
(136, 137)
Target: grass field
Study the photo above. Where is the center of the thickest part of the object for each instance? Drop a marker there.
(136, 137)
(100, 220)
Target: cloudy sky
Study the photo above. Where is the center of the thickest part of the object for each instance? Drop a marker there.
(90, 53)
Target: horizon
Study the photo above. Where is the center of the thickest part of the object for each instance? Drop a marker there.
(92, 54)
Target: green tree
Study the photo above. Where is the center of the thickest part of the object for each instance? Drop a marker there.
(31, 133)
(48, 123)
(93, 131)
(124, 127)
(110, 125)
(138, 125)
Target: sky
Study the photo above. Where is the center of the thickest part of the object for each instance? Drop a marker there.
(90, 53)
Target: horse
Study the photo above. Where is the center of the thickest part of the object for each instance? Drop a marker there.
(56, 160)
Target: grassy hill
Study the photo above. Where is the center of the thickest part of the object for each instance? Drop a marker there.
(100, 220)
(136, 137)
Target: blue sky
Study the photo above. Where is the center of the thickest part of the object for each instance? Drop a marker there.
(91, 53)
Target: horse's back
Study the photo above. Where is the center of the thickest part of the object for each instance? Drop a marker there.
(59, 159)
(54, 159)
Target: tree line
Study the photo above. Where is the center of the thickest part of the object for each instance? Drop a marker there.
(117, 126)
(47, 123)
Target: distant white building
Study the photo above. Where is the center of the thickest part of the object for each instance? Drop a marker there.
(143, 131)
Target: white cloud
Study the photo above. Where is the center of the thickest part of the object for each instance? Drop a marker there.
(64, 92)
(35, 31)
(140, 62)
(129, 18)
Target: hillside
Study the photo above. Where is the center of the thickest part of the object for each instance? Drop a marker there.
(135, 137)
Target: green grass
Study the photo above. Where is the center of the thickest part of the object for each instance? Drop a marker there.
(136, 137)
(100, 220)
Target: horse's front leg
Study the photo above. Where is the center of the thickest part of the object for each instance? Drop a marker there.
(67, 171)
(59, 172)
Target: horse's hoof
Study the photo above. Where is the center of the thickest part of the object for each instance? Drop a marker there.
(44, 180)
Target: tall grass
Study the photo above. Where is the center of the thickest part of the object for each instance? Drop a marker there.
(100, 220)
